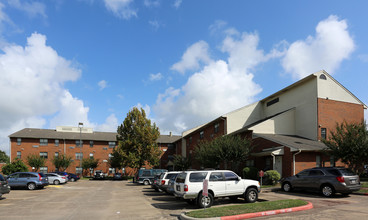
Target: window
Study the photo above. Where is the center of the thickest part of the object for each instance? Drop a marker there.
(273, 101)
(19, 154)
(249, 163)
(19, 141)
(170, 157)
(216, 176)
(217, 127)
(323, 133)
(112, 144)
(104, 148)
(43, 142)
(110, 156)
(111, 170)
(170, 146)
(197, 177)
(316, 173)
(90, 143)
(78, 142)
(190, 140)
(323, 76)
(201, 135)
(230, 176)
(44, 155)
(332, 161)
(78, 170)
(318, 161)
(56, 143)
(303, 173)
(56, 154)
(91, 155)
(146, 173)
(78, 156)
(43, 169)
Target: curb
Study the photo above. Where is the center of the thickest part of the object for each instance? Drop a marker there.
(253, 215)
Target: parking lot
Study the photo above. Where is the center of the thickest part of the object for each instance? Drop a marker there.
(125, 200)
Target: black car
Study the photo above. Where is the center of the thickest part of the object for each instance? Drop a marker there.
(4, 187)
(118, 176)
(327, 180)
(73, 177)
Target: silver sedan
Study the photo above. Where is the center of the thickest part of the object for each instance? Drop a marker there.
(55, 179)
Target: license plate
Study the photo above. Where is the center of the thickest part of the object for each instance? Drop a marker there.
(178, 188)
(353, 181)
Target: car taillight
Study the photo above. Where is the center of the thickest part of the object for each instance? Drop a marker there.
(162, 182)
(340, 179)
(185, 188)
(63, 177)
(40, 177)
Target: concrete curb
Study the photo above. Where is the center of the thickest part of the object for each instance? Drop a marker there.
(253, 215)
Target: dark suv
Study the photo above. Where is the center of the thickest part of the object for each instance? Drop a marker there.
(4, 187)
(327, 180)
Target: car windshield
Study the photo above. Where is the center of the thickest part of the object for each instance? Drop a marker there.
(181, 178)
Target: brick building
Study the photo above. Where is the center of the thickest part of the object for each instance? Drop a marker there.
(286, 127)
(49, 143)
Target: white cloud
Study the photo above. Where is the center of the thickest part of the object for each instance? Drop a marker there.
(146, 108)
(102, 84)
(219, 87)
(177, 3)
(155, 77)
(155, 24)
(32, 8)
(121, 8)
(110, 125)
(151, 3)
(363, 57)
(193, 56)
(326, 50)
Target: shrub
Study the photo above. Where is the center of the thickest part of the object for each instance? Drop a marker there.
(250, 173)
(271, 177)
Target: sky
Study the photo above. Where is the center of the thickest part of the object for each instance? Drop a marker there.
(185, 62)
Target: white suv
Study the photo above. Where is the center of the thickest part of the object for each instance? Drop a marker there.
(221, 183)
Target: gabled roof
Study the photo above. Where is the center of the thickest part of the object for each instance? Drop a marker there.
(168, 139)
(295, 143)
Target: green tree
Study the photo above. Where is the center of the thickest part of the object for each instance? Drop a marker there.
(181, 163)
(62, 162)
(229, 150)
(116, 161)
(36, 161)
(16, 166)
(3, 157)
(89, 163)
(349, 143)
(137, 140)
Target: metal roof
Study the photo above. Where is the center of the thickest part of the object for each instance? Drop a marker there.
(294, 142)
(94, 136)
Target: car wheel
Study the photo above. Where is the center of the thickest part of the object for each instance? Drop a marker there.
(251, 195)
(56, 182)
(327, 190)
(286, 187)
(72, 179)
(146, 182)
(205, 201)
(31, 186)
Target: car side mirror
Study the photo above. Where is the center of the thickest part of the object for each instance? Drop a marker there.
(297, 175)
(239, 178)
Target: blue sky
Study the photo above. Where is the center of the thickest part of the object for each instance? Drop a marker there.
(185, 62)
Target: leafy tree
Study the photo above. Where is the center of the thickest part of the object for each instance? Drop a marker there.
(36, 161)
(62, 162)
(229, 150)
(16, 166)
(181, 163)
(137, 140)
(116, 161)
(3, 157)
(349, 143)
(89, 163)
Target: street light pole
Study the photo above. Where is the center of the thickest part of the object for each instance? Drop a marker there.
(80, 125)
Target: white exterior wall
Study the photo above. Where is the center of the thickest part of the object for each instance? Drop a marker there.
(303, 98)
(243, 117)
(332, 90)
(281, 124)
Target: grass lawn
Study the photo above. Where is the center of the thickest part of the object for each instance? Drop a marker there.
(246, 208)
(364, 184)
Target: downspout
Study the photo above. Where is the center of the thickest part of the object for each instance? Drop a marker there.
(64, 147)
(273, 160)
(294, 159)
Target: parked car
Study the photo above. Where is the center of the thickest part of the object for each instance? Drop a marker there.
(146, 176)
(73, 177)
(99, 175)
(163, 182)
(55, 178)
(30, 180)
(4, 186)
(154, 184)
(170, 188)
(221, 183)
(118, 176)
(62, 174)
(327, 180)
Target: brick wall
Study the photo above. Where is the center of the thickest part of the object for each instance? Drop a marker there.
(331, 112)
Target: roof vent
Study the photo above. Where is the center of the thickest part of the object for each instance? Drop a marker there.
(323, 76)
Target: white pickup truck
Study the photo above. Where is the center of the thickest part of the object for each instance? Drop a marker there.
(221, 183)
